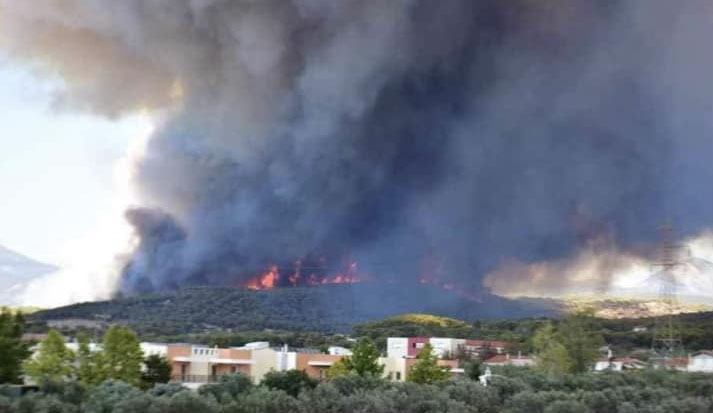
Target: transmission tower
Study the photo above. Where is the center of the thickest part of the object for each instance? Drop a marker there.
(666, 343)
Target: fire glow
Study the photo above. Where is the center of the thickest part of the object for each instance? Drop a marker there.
(299, 277)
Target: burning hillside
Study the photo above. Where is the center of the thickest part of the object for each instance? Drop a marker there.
(303, 276)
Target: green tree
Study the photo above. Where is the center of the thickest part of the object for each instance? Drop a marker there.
(158, 370)
(89, 363)
(426, 370)
(12, 349)
(53, 361)
(365, 358)
(121, 356)
(473, 369)
(228, 388)
(292, 382)
(364, 361)
(552, 356)
(581, 341)
(341, 367)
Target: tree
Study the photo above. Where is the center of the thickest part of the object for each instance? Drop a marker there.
(365, 358)
(364, 361)
(580, 340)
(228, 388)
(473, 369)
(291, 382)
(158, 370)
(89, 363)
(122, 356)
(426, 370)
(552, 356)
(53, 361)
(12, 349)
(341, 367)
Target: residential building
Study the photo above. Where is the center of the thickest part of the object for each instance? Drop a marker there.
(316, 365)
(475, 347)
(506, 359)
(339, 351)
(446, 347)
(701, 361)
(401, 353)
(619, 364)
(443, 347)
(197, 365)
(405, 346)
(150, 349)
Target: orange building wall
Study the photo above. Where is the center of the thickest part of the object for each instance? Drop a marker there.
(177, 351)
(450, 363)
(234, 353)
(228, 369)
(303, 360)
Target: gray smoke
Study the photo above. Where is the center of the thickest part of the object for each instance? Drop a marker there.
(393, 133)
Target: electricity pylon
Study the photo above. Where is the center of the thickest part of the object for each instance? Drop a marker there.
(666, 343)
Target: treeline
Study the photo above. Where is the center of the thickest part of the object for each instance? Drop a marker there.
(112, 380)
(119, 357)
(695, 330)
(334, 308)
(509, 390)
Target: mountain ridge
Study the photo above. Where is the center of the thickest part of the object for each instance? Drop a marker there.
(16, 272)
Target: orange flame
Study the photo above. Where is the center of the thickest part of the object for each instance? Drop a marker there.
(266, 281)
(271, 278)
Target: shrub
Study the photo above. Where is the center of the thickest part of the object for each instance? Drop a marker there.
(291, 382)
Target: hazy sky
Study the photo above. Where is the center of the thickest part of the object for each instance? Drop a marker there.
(56, 168)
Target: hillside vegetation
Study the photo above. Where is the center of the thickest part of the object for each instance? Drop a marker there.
(326, 308)
(319, 316)
(696, 330)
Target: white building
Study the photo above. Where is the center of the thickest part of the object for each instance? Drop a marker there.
(151, 349)
(443, 347)
(339, 351)
(397, 347)
(619, 364)
(701, 361)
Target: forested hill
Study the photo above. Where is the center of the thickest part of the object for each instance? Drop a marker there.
(325, 308)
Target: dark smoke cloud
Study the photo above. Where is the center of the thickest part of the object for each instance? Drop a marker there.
(394, 133)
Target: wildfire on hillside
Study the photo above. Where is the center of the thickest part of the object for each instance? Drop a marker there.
(316, 272)
(301, 275)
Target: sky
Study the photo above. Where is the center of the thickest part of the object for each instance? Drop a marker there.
(57, 169)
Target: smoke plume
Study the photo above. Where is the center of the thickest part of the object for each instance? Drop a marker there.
(390, 133)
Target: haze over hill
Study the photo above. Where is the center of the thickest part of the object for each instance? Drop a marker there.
(16, 272)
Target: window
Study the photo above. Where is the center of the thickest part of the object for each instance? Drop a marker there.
(398, 375)
(233, 369)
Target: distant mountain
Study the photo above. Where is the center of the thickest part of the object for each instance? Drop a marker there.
(326, 308)
(16, 271)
